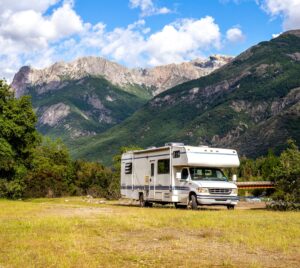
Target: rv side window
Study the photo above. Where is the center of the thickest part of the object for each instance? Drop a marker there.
(163, 166)
(176, 154)
(128, 168)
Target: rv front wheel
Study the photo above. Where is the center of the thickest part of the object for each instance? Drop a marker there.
(193, 202)
(230, 207)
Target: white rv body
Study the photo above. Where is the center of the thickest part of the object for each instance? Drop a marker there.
(173, 173)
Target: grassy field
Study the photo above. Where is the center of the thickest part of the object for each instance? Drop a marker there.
(75, 233)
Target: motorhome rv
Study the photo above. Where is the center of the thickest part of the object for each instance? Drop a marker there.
(187, 176)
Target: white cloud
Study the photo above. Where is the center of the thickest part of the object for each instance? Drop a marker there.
(289, 10)
(235, 35)
(125, 45)
(148, 8)
(36, 5)
(175, 42)
(27, 33)
(40, 33)
(134, 46)
(30, 26)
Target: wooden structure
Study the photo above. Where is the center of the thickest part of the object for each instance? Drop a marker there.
(255, 185)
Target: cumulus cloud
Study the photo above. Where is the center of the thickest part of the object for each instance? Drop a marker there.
(41, 32)
(26, 31)
(178, 41)
(31, 27)
(36, 5)
(289, 10)
(148, 8)
(235, 35)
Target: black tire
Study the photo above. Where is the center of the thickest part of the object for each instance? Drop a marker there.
(148, 204)
(142, 200)
(230, 207)
(179, 205)
(193, 202)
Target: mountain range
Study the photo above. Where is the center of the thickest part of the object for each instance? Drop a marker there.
(91, 94)
(250, 103)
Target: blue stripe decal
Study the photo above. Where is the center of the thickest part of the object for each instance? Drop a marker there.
(158, 187)
(181, 188)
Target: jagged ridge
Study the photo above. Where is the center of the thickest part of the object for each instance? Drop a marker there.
(158, 78)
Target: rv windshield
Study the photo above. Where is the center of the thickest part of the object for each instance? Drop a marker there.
(207, 174)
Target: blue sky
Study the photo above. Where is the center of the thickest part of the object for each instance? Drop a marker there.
(256, 24)
(135, 32)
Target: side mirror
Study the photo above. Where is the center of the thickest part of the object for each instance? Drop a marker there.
(178, 175)
(234, 178)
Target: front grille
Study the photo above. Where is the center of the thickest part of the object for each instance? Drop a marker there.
(219, 191)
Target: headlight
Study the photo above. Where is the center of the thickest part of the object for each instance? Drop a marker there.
(234, 191)
(202, 190)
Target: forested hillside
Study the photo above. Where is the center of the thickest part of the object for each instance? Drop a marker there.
(251, 104)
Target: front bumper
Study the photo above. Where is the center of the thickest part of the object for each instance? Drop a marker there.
(217, 200)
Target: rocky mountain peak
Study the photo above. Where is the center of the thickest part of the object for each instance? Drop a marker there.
(160, 78)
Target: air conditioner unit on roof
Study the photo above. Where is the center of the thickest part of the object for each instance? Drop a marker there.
(174, 144)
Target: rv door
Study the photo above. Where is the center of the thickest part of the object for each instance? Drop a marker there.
(151, 185)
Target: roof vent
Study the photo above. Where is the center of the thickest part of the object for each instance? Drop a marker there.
(174, 144)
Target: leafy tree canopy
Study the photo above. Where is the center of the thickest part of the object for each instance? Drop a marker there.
(18, 135)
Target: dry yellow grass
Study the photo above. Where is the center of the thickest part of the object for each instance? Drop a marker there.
(56, 233)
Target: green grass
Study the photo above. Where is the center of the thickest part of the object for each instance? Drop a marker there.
(70, 232)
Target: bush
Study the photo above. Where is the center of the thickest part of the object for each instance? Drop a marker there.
(287, 178)
(51, 171)
(94, 179)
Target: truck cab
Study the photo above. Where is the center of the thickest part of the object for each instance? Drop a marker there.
(207, 186)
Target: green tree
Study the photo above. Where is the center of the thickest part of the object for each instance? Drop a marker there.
(51, 170)
(287, 178)
(18, 135)
(269, 163)
(94, 179)
(18, 138)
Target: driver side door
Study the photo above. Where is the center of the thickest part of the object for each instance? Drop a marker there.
(183, 189)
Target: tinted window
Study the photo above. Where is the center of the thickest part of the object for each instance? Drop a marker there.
(163, 166)
(176, 154)
(184, 174)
